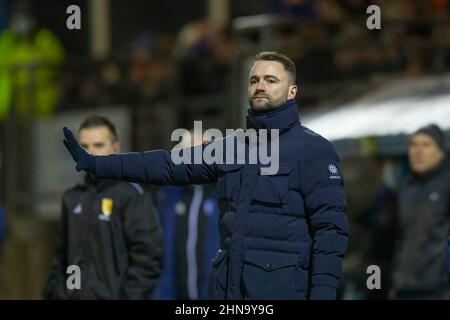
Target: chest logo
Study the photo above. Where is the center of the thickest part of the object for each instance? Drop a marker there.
(107, 206)
(78, 209)
(334, 171)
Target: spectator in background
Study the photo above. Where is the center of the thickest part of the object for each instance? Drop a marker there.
(29, 61)
(151, 70)
(109, 229)
(89, 88)
(111, 79)
(202, 51)
(421, 269)
(101, 84)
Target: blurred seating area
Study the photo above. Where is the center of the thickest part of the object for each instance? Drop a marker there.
(327, 39)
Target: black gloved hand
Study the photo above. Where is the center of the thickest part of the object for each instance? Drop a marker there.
(84, 160)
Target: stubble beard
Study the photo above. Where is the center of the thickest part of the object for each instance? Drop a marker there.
(268, 106)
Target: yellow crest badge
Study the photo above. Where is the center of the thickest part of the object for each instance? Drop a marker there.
(107, 206)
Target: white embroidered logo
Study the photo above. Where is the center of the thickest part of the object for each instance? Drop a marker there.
(333, 169)
(78, 209)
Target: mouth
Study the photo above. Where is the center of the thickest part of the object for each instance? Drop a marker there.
(260, 97)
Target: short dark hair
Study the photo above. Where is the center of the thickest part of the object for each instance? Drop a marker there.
(287, 63)
(96, 121)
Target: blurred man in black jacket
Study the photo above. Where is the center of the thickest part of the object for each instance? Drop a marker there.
(421, 269)
(109, 229)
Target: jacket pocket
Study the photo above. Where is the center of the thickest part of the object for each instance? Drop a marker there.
(217, 285)
(274, 275)
(272, 189)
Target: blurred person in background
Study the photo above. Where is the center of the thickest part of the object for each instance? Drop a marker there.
(421, 263)
(202, 51)
(109, 229)
(190, 219)
(151, 70)
(29, 62)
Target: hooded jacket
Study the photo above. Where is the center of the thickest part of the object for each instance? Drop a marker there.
(282, 236)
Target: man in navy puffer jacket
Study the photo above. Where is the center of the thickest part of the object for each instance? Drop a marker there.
(282, 235)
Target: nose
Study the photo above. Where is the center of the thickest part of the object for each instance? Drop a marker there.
(261, 86)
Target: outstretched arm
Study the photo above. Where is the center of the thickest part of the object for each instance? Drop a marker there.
(154, 167)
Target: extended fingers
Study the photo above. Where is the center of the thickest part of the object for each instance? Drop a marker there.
(69, 136)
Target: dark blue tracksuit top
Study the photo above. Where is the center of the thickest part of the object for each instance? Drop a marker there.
(282, 236)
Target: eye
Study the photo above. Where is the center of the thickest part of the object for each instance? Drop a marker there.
(253, 81)
(271, 81)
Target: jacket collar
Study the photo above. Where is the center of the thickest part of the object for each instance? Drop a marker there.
(443, 166)
(281, 118)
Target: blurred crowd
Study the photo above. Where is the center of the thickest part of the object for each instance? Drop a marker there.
(328, 40)
(156, 67)
(335, 44)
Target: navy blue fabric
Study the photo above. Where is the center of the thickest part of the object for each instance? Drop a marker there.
(167, 199)
(173, 204)
(210, 245)
(282, 236)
